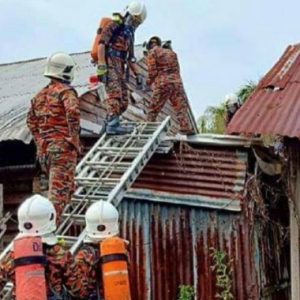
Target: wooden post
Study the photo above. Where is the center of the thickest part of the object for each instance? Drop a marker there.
(1, 210)
(1, 201)
(294, 218)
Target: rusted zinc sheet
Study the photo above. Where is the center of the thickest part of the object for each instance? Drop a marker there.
(171, 246)
(274, 106)
(206, 176)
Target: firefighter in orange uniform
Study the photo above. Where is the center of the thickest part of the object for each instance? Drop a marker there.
(54, 122)
(164, 77)
(115, 53)
(103, 256)
(38, 264)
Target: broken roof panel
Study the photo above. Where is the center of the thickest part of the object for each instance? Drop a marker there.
(274, 106)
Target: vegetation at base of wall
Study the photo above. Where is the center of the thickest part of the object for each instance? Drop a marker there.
(186, 292)
(223, 272)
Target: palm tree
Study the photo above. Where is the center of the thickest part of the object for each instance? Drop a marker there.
(246, 89)
(213, 119)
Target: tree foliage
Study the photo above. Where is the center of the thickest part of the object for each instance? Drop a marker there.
(213, 119)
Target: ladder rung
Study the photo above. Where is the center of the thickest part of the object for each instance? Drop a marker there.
(87, 198)
(129, 149)
(97, 179)
(96, 196)
(79, 219)
(112, 169)
(110, 164)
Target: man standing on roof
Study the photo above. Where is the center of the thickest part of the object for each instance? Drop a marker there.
(164, 76)
(54, 122)
(115, 52)
(38, 264)
(102, 229)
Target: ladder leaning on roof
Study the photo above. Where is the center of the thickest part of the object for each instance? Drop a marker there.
(105, 173)
(3, 225)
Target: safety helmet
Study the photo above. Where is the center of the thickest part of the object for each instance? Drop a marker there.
(231, 99)
(155, 39)
(61, 66)
(102, 221)
(136, 9)
(36, 217)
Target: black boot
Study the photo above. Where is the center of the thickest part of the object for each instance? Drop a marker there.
(113, 126)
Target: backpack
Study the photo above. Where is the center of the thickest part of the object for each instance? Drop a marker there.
(103, 22)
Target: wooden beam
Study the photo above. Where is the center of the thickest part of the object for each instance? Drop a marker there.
(293, 148)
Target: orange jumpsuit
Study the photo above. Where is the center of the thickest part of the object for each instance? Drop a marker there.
(164, 74)
(54, 116)
(117, 41)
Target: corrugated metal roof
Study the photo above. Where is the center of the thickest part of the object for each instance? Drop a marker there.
(170, 245)
(274, 106)
(207, 177)
(218, 140)
(20, 81)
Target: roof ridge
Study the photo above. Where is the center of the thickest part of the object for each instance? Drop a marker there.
(40, 58)
(37, 59)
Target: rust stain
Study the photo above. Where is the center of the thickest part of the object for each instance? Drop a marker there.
(273, 110)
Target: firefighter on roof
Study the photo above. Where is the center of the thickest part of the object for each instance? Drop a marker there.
(54, 122)
(38, 264)
(113, 51)
(164, 77)
(232, 104)
(103, 256)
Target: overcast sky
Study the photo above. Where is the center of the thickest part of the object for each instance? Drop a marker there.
(220, 44)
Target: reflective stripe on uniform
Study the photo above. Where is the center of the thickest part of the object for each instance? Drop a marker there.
(109, 273)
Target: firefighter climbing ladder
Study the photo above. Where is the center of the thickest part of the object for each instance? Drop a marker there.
(105, 173)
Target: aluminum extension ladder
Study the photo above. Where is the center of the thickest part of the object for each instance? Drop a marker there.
(3, 225)
(105, 173)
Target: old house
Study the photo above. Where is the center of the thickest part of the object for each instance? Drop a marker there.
(192, 197)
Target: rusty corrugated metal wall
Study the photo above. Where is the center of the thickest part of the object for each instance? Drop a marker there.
(205, 176)
(170, 246)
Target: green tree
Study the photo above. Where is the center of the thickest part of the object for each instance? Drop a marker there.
(246, 89)
(213, 119)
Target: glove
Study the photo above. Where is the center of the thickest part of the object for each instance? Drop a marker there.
(102, 73)
(139, 81)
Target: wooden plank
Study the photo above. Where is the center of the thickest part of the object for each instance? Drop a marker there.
(293, 147)
(15, 199)
(18, 186)
(91, 107)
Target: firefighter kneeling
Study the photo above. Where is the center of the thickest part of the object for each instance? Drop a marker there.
(38, 264)
(103, 256)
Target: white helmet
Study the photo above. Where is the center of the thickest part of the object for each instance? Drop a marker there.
(37, 217)
(231, 99)
(60, 65)
(102, 221)
(137, 9)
